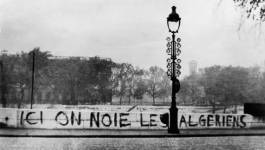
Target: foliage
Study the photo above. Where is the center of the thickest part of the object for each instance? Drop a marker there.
(254, 9)
(223, 85)
(136, 86)
(155, 79)
(226, 85)
(191, 91)
(67, 81)
(94, 80)
(123, 74)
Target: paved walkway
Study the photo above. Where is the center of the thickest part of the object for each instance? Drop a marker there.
(63, 133)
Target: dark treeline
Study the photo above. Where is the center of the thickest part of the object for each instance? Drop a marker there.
(76, 80)
(95, 80)
(58, 80)
(224, 85)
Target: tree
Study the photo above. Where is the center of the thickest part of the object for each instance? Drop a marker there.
(165, 90)
(191, 90)
(254, 88)
(140, 90)
(154, 82)
(123, 71)
(63, 75)
(212, 88)
(184, 91)
(254, 9)
(100, 77)
(81, 80)
(262, 89)
(16, 77)
(226, 85)
(41, 59)
(136, 86)
(234, 83)
(22, 77)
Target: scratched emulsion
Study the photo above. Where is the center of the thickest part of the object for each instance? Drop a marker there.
(195, 143)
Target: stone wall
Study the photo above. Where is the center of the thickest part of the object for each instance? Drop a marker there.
(85, 119)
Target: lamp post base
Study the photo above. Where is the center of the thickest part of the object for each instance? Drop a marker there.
(173, 120)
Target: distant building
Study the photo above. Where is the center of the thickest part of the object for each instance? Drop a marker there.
(193, 67)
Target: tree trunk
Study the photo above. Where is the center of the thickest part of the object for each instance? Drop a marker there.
(212, 102)
(72, 98)
(120, 99)
(21, 98)
(153, 100)
(213, 110)
(153, 95)
(235, 108)
(224, 109)
(129, 100)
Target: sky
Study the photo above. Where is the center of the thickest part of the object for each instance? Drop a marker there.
(132, 31)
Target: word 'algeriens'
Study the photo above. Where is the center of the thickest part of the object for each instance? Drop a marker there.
(212, 120)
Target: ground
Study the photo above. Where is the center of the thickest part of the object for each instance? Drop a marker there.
(191, 143)
(13, 139)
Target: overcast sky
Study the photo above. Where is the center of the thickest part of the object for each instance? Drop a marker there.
(132, 31)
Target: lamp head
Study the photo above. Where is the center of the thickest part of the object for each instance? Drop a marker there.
(173, 21)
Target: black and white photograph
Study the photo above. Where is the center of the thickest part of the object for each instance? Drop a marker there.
(132, 74)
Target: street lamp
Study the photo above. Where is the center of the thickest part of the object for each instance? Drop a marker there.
(173, 21)
(3, 81)
(173, 49)
(32, 76)
(3, 85)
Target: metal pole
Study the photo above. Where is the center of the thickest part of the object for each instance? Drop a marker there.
(3, 85)
(2, 91)
(173, 121)
(173, 104)
(32, 79)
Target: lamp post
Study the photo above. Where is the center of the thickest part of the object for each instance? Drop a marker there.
(3, 81)
(3, 85)
(173, 49)
(32, 78)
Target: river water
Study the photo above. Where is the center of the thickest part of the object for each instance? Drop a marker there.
(191, 143)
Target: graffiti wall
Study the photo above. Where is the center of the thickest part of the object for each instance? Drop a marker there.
(50, 119)
(81, 119)
(203, 120)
